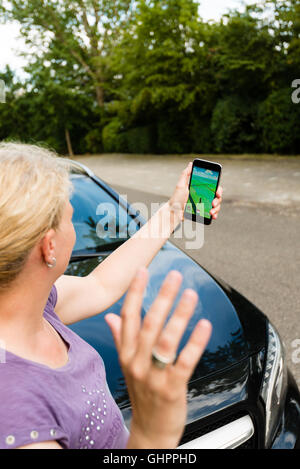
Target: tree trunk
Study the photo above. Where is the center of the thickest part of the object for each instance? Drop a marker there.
(99, 95)
(69, 144)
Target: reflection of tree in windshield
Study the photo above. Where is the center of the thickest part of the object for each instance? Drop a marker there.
(112, 229)
(92, 230)
(84, 267)
(211, 393)
(99, 220)
(232, 352)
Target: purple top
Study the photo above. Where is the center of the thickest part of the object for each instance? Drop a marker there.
(71, 404)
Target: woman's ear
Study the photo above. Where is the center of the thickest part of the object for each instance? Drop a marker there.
(48, 246)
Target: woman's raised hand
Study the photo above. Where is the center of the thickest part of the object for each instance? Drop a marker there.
(157, 386)
(181, 194)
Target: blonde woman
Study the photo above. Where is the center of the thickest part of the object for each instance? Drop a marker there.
(49, 373)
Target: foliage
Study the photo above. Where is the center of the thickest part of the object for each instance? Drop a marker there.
(149, 76)
(279, 123)
(233, 126)
(111, 139)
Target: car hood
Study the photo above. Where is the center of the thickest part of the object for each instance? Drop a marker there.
(226, 347)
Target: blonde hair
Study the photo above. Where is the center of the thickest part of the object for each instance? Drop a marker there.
(34, 188)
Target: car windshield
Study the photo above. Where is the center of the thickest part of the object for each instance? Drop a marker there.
(100, 222)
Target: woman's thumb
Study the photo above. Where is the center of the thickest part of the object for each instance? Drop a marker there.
(114, 322)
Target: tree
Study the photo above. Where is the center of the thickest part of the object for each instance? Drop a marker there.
(150, 76)
(286, 27)
(279, 122)
(77, 33)
(164, 75)
(46, 114)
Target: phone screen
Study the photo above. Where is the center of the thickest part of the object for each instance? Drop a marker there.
(203, 187)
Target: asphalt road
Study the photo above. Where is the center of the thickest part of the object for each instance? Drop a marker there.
(254, 245)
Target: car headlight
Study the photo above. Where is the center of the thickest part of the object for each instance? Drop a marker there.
(274, 383)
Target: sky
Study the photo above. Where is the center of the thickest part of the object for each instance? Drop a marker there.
(10, 44)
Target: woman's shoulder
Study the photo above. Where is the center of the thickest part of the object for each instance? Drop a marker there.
(52, 299)
(50, 305)
(51, 302)
(77, 345)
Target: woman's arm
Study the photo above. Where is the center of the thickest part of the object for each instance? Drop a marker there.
(82, 297)
(42, 445)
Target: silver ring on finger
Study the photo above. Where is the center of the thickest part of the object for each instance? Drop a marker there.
(160, 361)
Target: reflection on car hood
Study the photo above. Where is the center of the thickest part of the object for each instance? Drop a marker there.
(227, 345)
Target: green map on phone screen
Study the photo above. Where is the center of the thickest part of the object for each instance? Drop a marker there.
(202, 191)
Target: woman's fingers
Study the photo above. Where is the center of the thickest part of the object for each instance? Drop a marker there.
(135, 343)
(114, 323)
(215, 211)
(181, 193)
(218, 200)
(131, 315)
(156, 317)
(216, 205)
(186, 174)
(192, 352)
(169, 339)
(219, 192)
(184, 177)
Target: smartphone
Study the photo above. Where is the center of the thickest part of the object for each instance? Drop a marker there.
(203, 186)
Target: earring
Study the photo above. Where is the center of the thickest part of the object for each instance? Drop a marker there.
(52, 265)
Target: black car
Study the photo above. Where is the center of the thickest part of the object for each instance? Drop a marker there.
(241, 394)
